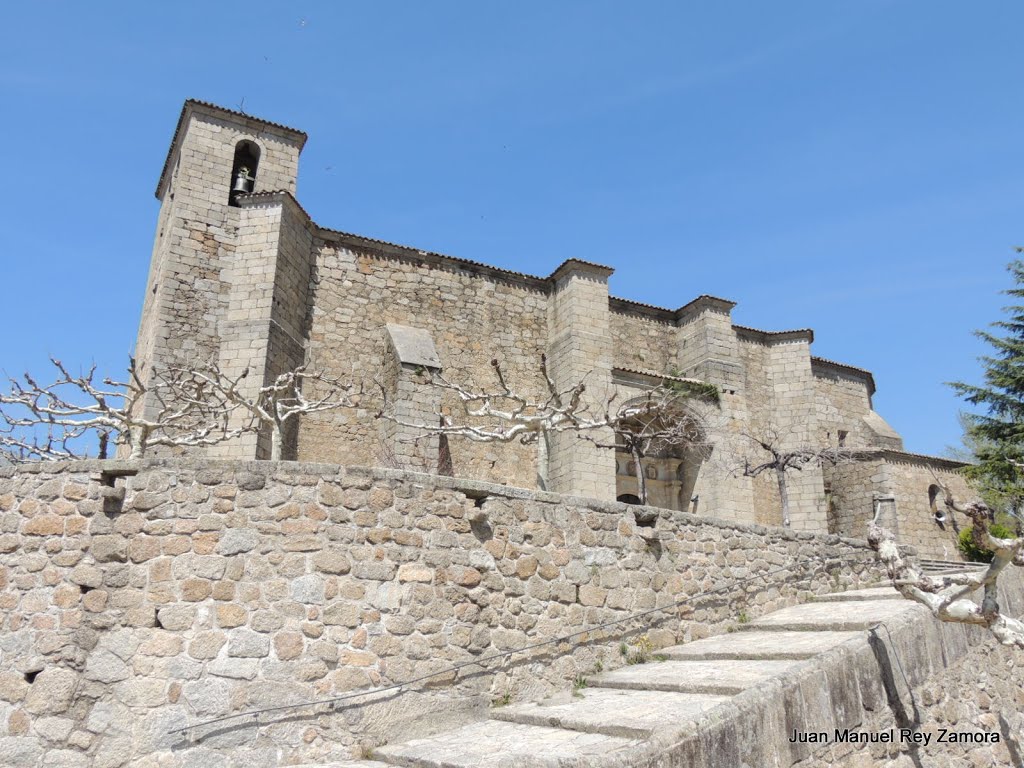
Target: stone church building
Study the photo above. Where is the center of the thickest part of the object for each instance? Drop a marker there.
(242, 275)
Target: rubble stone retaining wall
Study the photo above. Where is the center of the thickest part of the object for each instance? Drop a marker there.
(136, 598)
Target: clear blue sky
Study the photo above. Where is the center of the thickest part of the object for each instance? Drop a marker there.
(852, 167)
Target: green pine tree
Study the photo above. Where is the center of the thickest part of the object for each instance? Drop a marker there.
(996, 436)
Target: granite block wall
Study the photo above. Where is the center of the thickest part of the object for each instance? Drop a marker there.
(356, 290)
(904, 482)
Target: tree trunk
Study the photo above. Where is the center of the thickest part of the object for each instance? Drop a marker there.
(139, 437)
(543, 452)
(276, 441)
(783, 495)
(641, 478)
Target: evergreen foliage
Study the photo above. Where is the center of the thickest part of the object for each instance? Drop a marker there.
(997, 435)
(970, 550)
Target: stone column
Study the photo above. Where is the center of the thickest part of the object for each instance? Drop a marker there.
(580, 348)
(795, 421)
(263, 328)
(707, 345)
(708, 349)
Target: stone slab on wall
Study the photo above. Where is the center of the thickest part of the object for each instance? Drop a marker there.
(134, 605)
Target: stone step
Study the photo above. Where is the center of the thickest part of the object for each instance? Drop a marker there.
(836, 617)
(779, 645)
(343, 764)
(854, 595)
(495, 743)
(629, 714)
(619, 711)
(724, 677)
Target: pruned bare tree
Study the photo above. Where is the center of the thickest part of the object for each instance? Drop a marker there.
(782, 461)
(276, 404)
(653, 423)
(502, 415)
(51, 444)
(950, 598)
(50, 421)
(640, 426)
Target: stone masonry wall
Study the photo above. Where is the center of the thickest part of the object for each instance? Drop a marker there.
(643, 343)
(841, 401)
(853, 487)
(357, 290)
(909, 481)
(793, 419)
(758, 389)
(906, 479)
(579, 349)
(197, 230)
(136, 604)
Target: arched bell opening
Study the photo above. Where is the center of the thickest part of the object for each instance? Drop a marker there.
(243, 170)
(938, 513)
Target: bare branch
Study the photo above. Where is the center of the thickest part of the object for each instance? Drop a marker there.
(784, 460)
(44, 421)
(950, 597)
(642, 426)
(503, 416)
(54, 445)
(276, 404)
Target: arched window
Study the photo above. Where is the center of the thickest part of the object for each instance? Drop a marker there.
(934, 492)
(243, 170)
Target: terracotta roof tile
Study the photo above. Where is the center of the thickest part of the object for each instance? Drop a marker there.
(656, 375)
(826, 361)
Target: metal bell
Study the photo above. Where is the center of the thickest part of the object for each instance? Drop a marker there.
(243, 181)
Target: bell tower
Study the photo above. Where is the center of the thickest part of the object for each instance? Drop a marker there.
(217, 157)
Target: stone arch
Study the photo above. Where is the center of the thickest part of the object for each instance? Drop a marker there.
(939, 513)
(244, 168)
(672, 471)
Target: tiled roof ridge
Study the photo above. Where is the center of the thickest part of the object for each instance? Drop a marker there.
(246, 115)
(656, 375)
(772, 333)
(898, 453)
(412, 249)
(674, 313)
(826, 361)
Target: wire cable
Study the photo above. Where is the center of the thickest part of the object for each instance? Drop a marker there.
(483, 660)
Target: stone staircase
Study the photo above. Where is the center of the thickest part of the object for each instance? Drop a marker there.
(638, 715)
